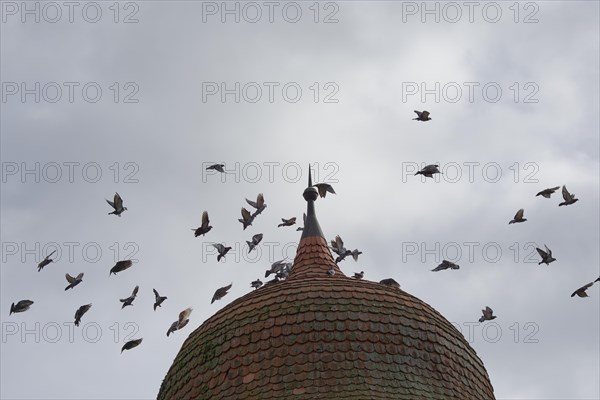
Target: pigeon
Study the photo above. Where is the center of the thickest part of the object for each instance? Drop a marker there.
(131, 344)
(184, 318)
(301, 228)
(487, 314)
(222, 250)
(546, 255)
(158, 299)
(359, 275)
(518, 217)
(79, 313)
(120, 266)
(569, 198)
(331, 271)
(220, 293)
(445, 265)
(256, 284)
(323, 188)
(45, 261)
(547, 192)
(581, 291)
(422, 116)
(255, 241)
(259, 205)
(117, 204)
(390, 282)
(21, 306)
(429, 170)
(284, 271)
(246, 219)
(217, 167)
(73, 281)
(204, 228)
(276, 267)
(355, 253)
(129, 301)
(287, 222)
(337, 245)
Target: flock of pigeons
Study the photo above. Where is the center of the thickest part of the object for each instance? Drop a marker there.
(546, 255)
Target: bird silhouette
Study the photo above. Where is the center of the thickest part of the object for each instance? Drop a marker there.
(581, 292)
(79, 313)
(120, 266)
(220, 293)
(21, 306)
(117, 204)
(45, 261)
(323, 188)
(131, 344)
(259, 204)
(287, 222)
(547, 192)
(184, 318)
(246, 219)
(568, 197)
(445, 265)
(158, 299)
(422, 116)
(217, 167)
(390, 282)
(73, 281)
(518, 217)
(487, 314)
(204, 228)
(254, 242)
(546, 255)
(222, 250)
(129, 301)
(429, 170)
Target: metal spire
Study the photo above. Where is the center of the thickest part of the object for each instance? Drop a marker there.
(311, 226)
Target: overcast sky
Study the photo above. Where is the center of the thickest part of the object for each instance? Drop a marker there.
(139, 97)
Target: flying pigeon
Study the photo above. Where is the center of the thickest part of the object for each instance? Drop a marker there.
(355, 253)
(129, 301)
(73, 281)
(222, 250)
(131, 344)
(518, 217)
(548, 192)
(158, 299)
(429, 170)
(21, 306)
(255, 241)
(256, 284)
(390, 282)
(445, 265)
(246, 219)
(45, 261)
(422, 116)
(359, 275)
(220, 293)
(284, 271)
(217, 167)
(581, 291)
(184, 318)
(569, 198)
(331, 271)
(117, 204)
(323, 188)
(120, 266)
(276, 267)
(287, 222)
(546, 255)
(337, 245)
(487, 314)
(204, 228)
(79, 313)
(259, 204)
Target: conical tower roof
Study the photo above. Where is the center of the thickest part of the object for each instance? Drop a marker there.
(315, 336)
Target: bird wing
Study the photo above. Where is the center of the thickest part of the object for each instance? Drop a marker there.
(124, 264)
(70, 279)
(156, 295)
(205, 220)
(253, 204)
(565, 193)
(257, 238)
(49, 255)
(185, 314)
(549, 251)
(245, 214)
(418, 113)
(519, 214)
(339, 244)
(135, 291)
(541, 252)
(260, 200)
(220, 248)
(111, 204)
(118, 201)
(78, 278)
(424, 114)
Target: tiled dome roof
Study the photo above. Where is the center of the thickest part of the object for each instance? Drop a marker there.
(316, 336)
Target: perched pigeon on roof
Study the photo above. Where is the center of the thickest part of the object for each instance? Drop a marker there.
(487, 315)
(568, 197)
(117, 204)
(547, 192)
(256, 284)
(359, 275)
(546, 255)
(205, 227)
(276, 267)
(390, 282)
(73, 281)
(518, 217)
(45, 261)
(21, 306)
(331, 271)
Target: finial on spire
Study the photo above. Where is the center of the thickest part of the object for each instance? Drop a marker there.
(309, 176)
(310, 193)
(311, 225)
